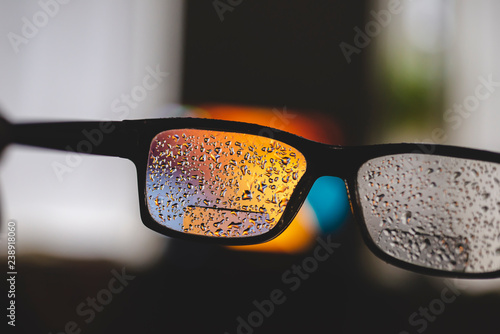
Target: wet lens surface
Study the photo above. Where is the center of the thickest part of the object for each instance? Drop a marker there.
(220, 184)
(434, 211)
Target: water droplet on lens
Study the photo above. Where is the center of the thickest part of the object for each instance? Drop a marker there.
(234, 225)
(406, 217)
(243, 169)
(248, 230)
(247, 195)
(285, 160)
(261, 187)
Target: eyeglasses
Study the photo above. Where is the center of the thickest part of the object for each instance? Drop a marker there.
(432, 209)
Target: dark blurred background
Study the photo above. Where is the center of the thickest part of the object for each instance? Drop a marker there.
(295, 65)
(275, 54)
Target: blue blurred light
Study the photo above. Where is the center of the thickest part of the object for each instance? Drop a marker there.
(328, 197)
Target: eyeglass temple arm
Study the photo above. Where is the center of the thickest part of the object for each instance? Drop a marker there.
(101, 138)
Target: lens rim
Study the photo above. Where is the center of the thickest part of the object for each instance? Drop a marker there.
(153, 127)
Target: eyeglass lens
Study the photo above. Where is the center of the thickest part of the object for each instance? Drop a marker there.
(433, 211)
(220, 184)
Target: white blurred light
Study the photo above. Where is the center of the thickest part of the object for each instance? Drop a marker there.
(86, 55)
(428, 24)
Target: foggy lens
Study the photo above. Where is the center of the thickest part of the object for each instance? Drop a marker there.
(434, 211)
(220, 184)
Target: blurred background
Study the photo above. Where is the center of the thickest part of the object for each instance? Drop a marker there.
(338, 72)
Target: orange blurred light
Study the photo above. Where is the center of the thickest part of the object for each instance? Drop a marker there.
(311, 125)
(301, 233)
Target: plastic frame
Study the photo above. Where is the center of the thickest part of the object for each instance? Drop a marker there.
(131, 140)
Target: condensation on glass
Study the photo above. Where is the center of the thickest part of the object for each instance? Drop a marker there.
(434, 211)
(220, 184)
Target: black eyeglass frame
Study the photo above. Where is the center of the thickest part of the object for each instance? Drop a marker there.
(131, 139)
